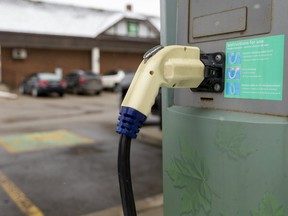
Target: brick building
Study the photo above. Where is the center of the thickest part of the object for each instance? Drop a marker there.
(37, 36)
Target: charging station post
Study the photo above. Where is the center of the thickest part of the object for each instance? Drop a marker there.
(225, 153)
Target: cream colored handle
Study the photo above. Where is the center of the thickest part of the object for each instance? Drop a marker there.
(172, 67)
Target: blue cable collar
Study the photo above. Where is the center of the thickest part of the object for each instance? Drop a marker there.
(130, 121)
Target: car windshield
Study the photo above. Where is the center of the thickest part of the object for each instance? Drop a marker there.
(48, 76)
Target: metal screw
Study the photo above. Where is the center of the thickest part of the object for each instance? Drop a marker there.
(217, 87)
(218, 58)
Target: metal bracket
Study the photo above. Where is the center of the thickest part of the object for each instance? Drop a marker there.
(214, 73)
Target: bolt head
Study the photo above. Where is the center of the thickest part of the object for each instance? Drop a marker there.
(217, 87)
(218, 58)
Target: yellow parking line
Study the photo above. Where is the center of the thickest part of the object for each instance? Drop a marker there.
(42, 140)
(19, 198)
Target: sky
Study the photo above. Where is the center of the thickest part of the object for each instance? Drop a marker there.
(147, 7)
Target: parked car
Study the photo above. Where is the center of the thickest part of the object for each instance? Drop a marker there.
(43, 83)
(124, 85)
(80, 81)
(112, 79)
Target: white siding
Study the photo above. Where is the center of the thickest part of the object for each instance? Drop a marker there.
(121, 29)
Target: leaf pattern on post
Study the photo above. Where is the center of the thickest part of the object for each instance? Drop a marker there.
(190, 174)
(232, 140)
(269, 207)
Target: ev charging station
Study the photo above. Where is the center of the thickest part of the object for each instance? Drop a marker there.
(225, 128)
(226, 154)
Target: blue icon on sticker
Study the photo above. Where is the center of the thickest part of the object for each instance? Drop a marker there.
(234, 58)
(233, 73)
(232, 88)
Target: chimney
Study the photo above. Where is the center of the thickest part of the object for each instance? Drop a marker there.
(129, 7)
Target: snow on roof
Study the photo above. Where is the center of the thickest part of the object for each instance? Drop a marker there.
(24, 16)
(155, 21)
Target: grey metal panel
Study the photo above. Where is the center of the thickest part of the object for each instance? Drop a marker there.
(220, 23)
(279, 25)
(258, 18)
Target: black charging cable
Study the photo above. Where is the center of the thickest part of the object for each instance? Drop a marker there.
(124, 175)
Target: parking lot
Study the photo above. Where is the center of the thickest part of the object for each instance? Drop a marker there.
(58, 156)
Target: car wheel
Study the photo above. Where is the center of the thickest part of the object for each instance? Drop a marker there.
(21, 90)
(35, 92)
(98, 92)
(61, 94)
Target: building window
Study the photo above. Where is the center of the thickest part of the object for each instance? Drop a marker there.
(133, 28)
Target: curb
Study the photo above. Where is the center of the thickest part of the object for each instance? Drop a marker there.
(151, 206)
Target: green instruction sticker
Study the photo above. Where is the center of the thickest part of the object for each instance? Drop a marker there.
(254, 68)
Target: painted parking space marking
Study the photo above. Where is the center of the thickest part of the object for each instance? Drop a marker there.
(18, 197)
(42, 140)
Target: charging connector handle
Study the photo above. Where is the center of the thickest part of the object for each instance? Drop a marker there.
(172, 67)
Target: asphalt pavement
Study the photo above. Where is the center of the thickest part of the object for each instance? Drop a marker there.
(58, 157)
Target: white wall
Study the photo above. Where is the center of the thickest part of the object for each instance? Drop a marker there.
(95, 61)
